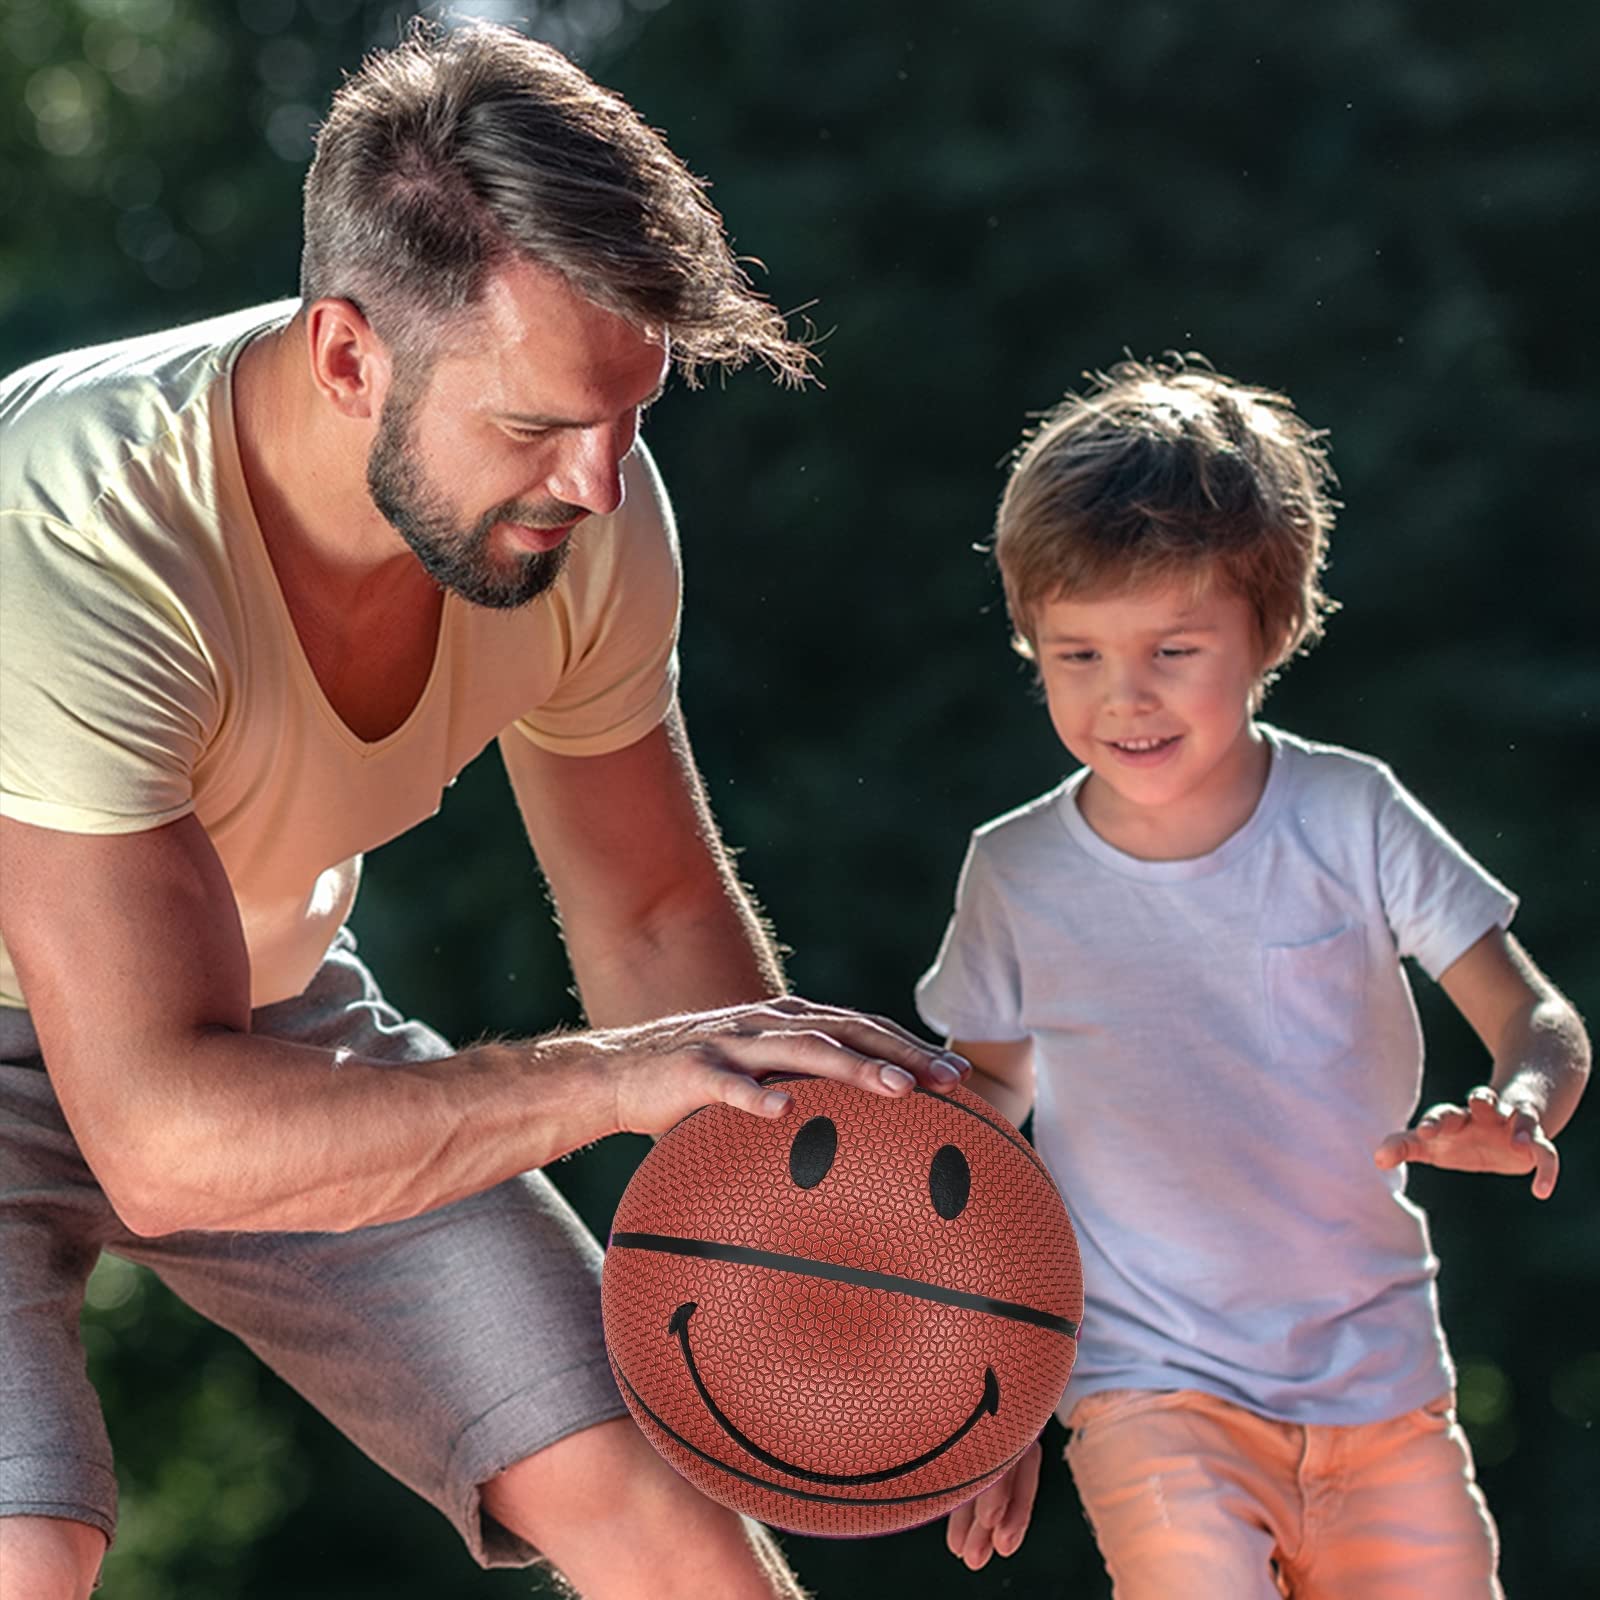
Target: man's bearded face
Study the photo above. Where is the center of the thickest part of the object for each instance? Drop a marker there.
(459, 559)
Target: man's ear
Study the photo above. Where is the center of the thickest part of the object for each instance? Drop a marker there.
(350, 365)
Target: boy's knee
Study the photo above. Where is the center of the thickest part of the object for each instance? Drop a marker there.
(49, 1558)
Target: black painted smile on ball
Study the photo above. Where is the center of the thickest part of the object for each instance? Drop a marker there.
(987, 1406)
(812, 1155)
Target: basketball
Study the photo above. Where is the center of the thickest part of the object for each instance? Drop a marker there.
(846, 1320)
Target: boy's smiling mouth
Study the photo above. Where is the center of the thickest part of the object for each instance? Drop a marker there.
(1143, 747)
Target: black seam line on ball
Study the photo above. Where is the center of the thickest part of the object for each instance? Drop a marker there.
(742, 1255)
(1005, 1133)
(988, 1406)
(809, 1494)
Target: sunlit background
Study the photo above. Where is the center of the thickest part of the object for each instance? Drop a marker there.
(1384, 206)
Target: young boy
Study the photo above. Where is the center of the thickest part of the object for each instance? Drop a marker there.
(1186, 960)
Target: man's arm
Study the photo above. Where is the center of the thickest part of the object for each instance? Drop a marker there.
(133, 962)
(1541, 1064)
(654, 917)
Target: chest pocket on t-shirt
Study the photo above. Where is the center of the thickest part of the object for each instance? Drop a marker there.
(1314, 994)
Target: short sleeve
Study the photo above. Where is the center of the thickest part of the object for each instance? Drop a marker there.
(973, 990)
(1438, 900)
(623, 598)
(105, 698)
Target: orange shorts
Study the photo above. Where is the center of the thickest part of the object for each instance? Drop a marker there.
(1193, 1498)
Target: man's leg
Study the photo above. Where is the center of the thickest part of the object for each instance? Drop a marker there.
(617, 1522)
(48, 1558)
(58, 1493)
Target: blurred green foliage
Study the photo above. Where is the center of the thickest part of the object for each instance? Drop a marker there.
(1385, 207)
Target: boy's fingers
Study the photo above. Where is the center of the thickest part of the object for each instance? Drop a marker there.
(1483, 1105)
(1528, 1136)
(955, 1530)
(1546, 1167)
(1524, 1127)
(1442, 1119)
(1019, 1509)
(978, 1548)
(1394, 1148)
(991, 1504)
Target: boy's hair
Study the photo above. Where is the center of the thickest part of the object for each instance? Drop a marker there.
(457, 151)
(1169, 470)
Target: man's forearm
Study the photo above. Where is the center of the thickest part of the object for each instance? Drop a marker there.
(263, 1135)
(696, 954)
(244, 1132)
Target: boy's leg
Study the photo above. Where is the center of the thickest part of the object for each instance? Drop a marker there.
(1190, 1498)
(664, 1538)
(1395, 1513)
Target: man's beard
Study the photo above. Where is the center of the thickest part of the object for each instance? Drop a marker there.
(458, 561)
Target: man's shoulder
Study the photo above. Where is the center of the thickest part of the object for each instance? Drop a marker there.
(72, 417)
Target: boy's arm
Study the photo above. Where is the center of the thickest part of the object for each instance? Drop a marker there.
(1541, 1064)
(1002, 1072)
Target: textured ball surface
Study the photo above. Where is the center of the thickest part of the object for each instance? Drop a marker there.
(848, 1319)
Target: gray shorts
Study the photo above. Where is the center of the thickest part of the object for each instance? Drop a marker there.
(446, 1347)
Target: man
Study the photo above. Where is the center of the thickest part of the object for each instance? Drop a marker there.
(269, 583)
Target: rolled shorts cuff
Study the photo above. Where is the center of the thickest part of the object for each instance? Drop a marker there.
(59, 1486)
(515, 1428)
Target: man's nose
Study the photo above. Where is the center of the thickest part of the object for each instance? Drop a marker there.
(589, 471)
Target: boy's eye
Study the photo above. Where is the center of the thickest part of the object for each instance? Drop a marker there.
(1171, 650)
(1075, 656)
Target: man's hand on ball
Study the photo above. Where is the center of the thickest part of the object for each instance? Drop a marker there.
(1487, 1134)
(661, 1071)
(994, 1522)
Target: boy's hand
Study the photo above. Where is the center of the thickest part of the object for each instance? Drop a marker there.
(1487, 1134)
(994, 1522)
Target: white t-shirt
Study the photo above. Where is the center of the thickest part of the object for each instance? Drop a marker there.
(1219, 1045)
(149, 667)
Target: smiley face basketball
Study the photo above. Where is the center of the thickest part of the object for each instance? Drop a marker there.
(848, 1319)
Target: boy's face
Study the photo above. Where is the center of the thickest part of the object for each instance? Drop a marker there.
(1151, 689)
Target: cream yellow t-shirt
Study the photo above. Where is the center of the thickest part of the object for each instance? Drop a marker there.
(149, 667)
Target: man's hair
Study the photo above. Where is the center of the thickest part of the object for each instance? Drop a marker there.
(1170, 471)
(456, 152)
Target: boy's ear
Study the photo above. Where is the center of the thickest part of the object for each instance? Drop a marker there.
(1277, 648)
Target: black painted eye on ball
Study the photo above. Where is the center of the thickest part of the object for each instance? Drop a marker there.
(811, 1155)
(949, 1181)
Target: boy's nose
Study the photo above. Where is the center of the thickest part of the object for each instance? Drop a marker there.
(1129, 690)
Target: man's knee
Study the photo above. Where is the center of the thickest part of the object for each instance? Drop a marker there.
(49, 1558)
(615, 1519)
(591, 1475)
